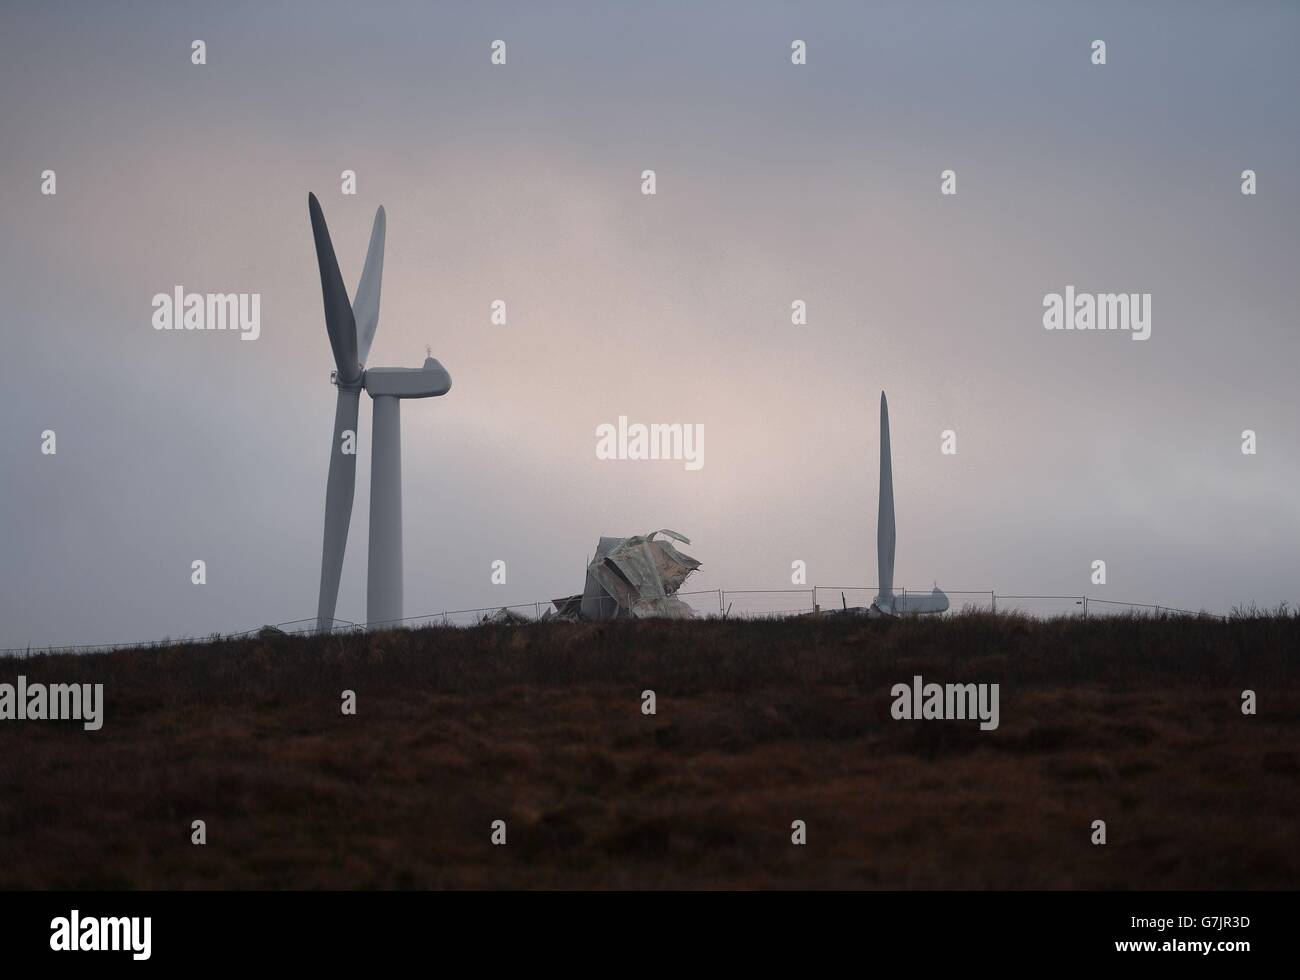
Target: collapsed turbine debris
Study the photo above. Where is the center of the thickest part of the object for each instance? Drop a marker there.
(632, 578)
(505, 616)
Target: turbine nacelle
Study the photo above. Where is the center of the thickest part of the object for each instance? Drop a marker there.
(428, 381)
(899, 605)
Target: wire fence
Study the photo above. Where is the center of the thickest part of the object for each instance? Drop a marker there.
(702, 604)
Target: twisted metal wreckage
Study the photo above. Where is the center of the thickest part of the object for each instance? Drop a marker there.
(629, 578)
(632, 578)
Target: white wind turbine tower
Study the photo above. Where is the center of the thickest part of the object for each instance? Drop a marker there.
(351, 328)
(886, 602)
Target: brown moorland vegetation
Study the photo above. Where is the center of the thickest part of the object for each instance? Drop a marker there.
(1135, 721)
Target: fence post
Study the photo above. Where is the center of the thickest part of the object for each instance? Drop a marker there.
(721, 596)
(537, 610)
(994, 596)
(813, 590)
(1085, 607)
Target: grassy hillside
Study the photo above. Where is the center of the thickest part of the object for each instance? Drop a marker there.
(1133, 721)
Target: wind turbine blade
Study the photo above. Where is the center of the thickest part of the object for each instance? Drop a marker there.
(339, 489)
(365, 305)
(885, 517)
(339, 321)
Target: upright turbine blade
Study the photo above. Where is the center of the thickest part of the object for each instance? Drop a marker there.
(365, 305)
(338, 506)
(885, 517)
(341, 483)
(339, 320)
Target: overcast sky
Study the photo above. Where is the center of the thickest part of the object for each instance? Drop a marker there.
(522, 182)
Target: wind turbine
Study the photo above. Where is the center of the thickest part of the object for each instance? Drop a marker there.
(886, 602)
(351, 328)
